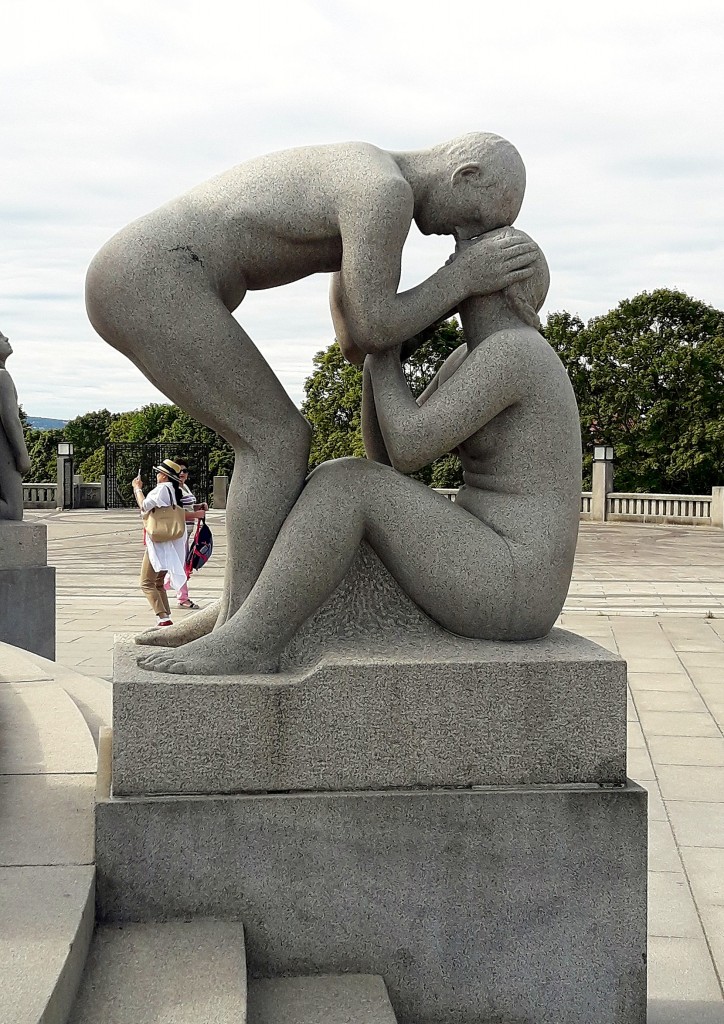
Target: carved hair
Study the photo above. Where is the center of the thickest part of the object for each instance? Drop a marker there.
(480, 145)
(526, 297)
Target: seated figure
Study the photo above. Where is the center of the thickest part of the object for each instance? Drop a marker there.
(496, 563)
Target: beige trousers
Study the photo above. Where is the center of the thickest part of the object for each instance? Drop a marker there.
(152, 587)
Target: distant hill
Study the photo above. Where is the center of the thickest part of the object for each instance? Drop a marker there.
(43, 423)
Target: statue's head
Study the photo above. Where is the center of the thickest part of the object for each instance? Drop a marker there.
(5, 347)
(525, 298)
(477, 184)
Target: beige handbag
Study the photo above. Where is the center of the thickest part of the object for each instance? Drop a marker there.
(167, 523)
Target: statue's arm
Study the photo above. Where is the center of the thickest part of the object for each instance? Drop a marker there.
(416, 435)
(371, 315)
(10, 419)
(371, 433)
(350, 351)
(368, 312)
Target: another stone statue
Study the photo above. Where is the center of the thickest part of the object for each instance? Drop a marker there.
(162, 292)
(496, 564)
(14, 458)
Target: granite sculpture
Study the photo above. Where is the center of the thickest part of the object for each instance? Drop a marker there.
(495, 565)
(14, 458)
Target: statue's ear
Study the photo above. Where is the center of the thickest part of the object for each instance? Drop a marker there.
(465, 172)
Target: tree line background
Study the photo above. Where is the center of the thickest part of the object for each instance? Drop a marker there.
(648, 376)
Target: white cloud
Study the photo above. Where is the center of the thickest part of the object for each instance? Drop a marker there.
(109, 109)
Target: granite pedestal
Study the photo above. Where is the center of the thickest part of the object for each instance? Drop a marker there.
(498, 904)
(451, 815)
(27, 588)
(454, 712)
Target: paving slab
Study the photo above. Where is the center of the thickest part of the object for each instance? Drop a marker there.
(686, 750)
(691, 782)
(668, 700)
(679, 723)
(697, 823)
(680, 969)
(672, 911)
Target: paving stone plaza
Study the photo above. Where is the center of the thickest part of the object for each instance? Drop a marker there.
(653, 594)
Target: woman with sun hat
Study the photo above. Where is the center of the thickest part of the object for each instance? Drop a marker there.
(161, 557)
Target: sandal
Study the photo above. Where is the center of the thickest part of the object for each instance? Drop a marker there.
(189, 604)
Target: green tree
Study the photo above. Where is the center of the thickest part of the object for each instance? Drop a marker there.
(186, 430)
(649, 379)
(43, 451)
(89, 434)
(333, 397)
(146, 424)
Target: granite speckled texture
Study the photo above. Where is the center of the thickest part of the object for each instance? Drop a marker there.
(27, 588)
(504, 904)
(23, 545)
(14, 458)
(399, 710)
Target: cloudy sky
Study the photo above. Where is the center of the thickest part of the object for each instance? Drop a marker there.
(108, 109)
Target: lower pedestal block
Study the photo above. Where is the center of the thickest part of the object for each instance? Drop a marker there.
(502, 904)
(27, 609)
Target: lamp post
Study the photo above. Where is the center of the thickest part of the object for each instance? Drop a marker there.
(601, 481)
(64, 466)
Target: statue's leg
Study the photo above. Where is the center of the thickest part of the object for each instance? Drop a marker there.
(457, 569)
(11, 484)
(175, 328)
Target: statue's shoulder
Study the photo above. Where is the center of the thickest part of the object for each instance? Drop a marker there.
(7, 386)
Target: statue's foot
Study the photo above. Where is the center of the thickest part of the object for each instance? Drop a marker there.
(213, 655)
(192, 628)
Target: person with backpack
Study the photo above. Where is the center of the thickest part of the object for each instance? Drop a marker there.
(193, 512)
(167, 556)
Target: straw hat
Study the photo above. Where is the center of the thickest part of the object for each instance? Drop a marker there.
(170, 468)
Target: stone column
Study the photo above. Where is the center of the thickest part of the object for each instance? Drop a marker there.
(221, 486)
(602, 481)
(717, 507)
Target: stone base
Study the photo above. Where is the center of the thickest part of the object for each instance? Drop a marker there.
(525, 905)
(27, 589)
(452, 712)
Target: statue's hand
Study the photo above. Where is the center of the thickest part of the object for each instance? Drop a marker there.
(491, 264)
(23, 464)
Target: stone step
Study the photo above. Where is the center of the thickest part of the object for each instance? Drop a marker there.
(91, 695)
(177, 972)
(47, 773)
(46, 922)
(321, 999)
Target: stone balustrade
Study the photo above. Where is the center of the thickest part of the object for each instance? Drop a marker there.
(40, 495)
(604, 506)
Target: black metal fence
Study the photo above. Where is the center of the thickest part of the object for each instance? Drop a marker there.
(124, 461)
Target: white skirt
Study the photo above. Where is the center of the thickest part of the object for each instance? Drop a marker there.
(171, 556)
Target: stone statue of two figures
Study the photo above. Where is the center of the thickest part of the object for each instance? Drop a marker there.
(496, 563)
